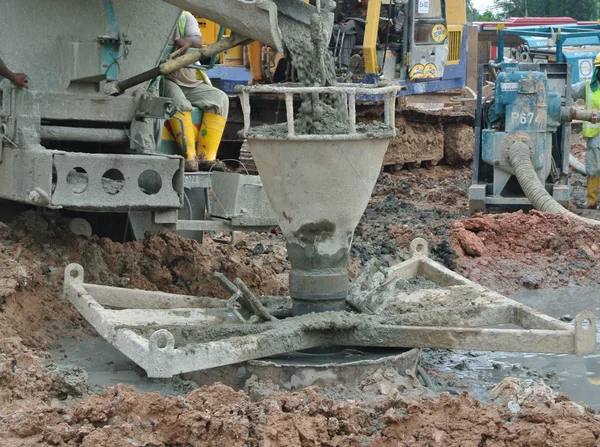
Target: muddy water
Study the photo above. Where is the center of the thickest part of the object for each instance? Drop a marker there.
(577, 377)
(105, 365)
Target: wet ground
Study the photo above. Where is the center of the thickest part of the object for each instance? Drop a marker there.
(578, 377)
(107, 366)
(503, 252)
(454, 371)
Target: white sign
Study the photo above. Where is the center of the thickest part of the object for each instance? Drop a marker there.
(423, 6)
(586, 69)
(509, 86)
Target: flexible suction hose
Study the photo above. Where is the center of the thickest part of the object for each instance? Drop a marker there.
(576, 164)
(520, 159)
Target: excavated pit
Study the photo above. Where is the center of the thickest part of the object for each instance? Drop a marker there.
(35, 410)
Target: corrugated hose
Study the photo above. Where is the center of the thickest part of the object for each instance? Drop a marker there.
(520, 159)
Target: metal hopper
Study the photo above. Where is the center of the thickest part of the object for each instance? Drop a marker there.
(320, 185)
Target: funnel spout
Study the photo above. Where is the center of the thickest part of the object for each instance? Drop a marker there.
(318, 252)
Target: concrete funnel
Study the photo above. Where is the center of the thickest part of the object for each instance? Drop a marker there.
(319, 189)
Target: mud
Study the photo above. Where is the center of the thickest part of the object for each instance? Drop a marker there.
(479, 372)
(533, 250)
(388, 226)
(459, 144)
(217, 415)
(45, 400)
(36, 247)
(415, 141)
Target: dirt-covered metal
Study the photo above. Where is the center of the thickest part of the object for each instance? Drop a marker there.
(169, 334)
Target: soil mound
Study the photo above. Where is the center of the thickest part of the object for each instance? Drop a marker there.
(526, 250)
(36, 248)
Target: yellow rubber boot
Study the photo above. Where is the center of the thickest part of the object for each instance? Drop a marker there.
(209, 138)
(184, 133)
(591, 198)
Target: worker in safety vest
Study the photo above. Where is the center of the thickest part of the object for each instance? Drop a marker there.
(19, 79)
(590, 91)
(184, 87)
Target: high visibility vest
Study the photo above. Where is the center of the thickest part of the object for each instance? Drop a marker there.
(181, 23)
(592, 101)
(200, 74)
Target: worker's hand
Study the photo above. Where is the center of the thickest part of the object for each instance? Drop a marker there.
(21, 80)
(180, 43)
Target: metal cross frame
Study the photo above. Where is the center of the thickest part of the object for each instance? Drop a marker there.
(168, 334)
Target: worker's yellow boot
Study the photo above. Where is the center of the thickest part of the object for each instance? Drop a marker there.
(209, 138)
(591, 198)
(183, 130)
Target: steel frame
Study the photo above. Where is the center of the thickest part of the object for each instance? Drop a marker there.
(168, 334)
(560, 35)
(350, 94)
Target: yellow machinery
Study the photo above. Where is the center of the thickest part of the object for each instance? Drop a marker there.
(419, 44)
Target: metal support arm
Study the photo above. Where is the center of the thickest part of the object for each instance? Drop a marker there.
(118, 88)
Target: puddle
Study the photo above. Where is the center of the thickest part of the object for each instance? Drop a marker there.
(578, 377)
(105, 365)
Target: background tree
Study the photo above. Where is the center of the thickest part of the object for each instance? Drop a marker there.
(473, 15)
(577, 9)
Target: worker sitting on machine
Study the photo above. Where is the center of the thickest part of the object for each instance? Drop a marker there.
(19, 79)
(184, 87)
(589, 91)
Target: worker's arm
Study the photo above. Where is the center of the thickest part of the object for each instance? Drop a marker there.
(578, 90)
(19, 79)
(192, 36)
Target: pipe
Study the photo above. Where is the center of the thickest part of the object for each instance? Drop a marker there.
(520, 158)
(576, 113)
(171, 65)
(577, 165)
(83, 135)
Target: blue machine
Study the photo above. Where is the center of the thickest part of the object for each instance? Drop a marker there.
(577, 45)
(528, 105)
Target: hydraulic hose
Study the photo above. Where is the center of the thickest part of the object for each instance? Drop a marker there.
(577, 165)
(520, 159)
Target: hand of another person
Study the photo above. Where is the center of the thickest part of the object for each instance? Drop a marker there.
(21, 80)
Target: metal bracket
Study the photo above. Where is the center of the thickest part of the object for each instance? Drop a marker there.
(155, 107)
(170, 334)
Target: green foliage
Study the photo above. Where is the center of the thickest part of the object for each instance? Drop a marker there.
(577, 9)
(489, 16)
(473, 15)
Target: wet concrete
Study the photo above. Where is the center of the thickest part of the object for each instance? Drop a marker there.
(577, 377)
(105, 365)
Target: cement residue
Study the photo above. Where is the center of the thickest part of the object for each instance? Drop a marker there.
(322, 125)
(372, 290)
(107, 366)
(69, 381)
